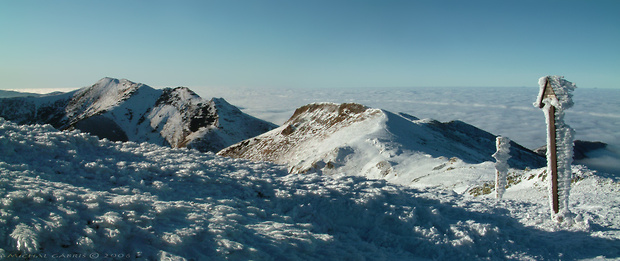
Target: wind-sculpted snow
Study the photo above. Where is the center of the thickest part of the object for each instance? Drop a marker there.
(69, 194)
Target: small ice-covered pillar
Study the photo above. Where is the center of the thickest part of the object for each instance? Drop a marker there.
(554, 97)
(501, 165)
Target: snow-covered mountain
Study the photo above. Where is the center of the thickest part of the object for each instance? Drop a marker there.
(69, 195)
(121, 110)
(352, 138)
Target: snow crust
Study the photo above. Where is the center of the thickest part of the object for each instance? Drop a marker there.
(69, 193)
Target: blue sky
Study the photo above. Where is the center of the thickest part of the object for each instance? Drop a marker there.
(313, 43)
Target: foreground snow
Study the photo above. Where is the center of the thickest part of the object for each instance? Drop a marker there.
(67, 194)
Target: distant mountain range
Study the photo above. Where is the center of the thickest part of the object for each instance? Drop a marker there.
(121, 110)
(324, 137)
(352, 138)
(13, 94)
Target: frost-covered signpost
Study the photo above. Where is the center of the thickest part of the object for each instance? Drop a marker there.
(501, 165)
(554, 97)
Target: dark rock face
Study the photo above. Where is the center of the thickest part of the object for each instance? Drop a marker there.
(202, 116)
(580, 148)
(102, 127)
(32, 110)
(583, 147)
(20, 110)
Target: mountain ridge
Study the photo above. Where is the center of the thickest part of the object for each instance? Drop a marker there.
(122, 110)
(353, 138)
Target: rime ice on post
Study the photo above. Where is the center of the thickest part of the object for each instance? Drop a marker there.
(501, 165)
(554, 97)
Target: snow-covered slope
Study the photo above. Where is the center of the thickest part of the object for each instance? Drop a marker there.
(69, 195)
(351, 138)
(121, 110)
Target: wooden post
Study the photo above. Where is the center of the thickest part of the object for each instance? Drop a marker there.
(553, 154)
(551, 146)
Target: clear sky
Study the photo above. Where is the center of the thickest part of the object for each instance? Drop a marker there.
(309, 43)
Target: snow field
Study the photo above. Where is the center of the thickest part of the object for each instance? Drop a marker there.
(69, 193)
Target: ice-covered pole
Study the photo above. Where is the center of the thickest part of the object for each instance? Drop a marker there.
(554, 97)
(501, 165)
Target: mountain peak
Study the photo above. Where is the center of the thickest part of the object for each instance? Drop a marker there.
(110, 81)
(102, 96)
(318, 109)
(329, 115)
(123, 110)
(114, 87)
(353, 138)
(313, 129)
(106, 80)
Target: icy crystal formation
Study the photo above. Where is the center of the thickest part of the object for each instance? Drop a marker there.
(501, 165)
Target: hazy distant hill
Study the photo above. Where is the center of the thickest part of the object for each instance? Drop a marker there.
(13, 94)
